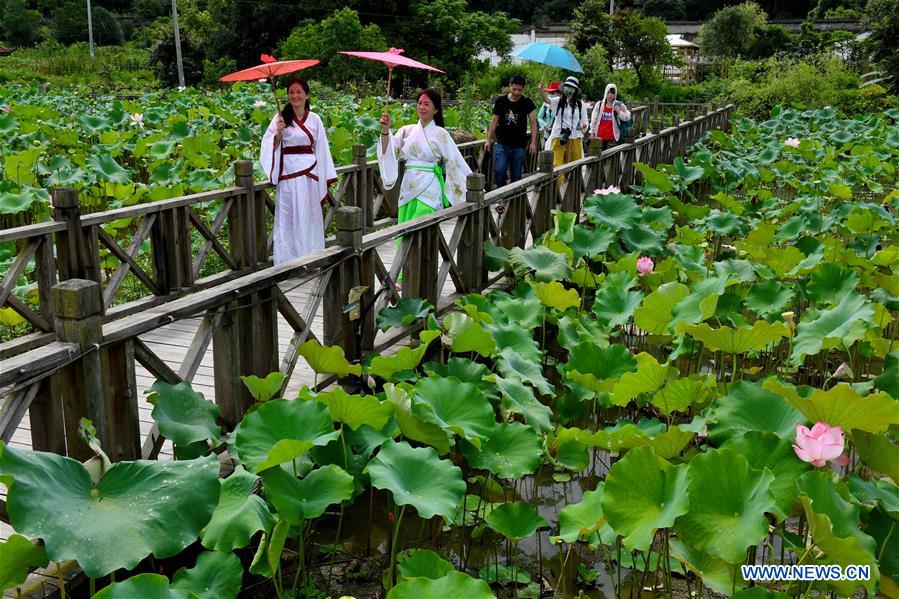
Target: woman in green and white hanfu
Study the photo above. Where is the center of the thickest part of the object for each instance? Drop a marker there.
(435, 170)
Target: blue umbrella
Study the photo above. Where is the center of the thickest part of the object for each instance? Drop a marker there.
(547, 54)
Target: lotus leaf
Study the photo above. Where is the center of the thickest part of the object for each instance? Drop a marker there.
(555, 295)
(654, 182)
(546, 264)
(404, 359)
(145, 586)
(737, 341)
(217, 575)
(184, 416)
(417, 477)
(829, 284)
(614, 211)
(515, 521)
(513, 450)
(264, 389)
(750, 407)
(240, 514)
(818, 493)
(842, 406)
(838, 550)
(422, 563)
(728, 501)
(847, 322)
(655, 314)
(878, 452)
(413, 427)
(406, 311)
(889, 379)
(136, 509)
(680, 394)
(715, 573)
(527, 312)
(616, 305)
(501, 573)
(768, 297)
(307, 498)
(519, 399)
(327, 360)
(882, 527)
(18, 557)
(454, 584)
(582, 329)
(468, 335)
(600, 364)
(454, 406)
(516, 367)
(356, 410)
(582, 518)
(649, 377)
(280, 431)
(884, 492)
(764, 450)
(643, 493)
(515, 338)
(590, 243)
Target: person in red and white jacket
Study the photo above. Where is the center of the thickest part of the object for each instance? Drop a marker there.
(606, 115)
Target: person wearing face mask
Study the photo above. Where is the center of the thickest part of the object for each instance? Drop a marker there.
(435, 169)
(297, 159)
(570, 124)
(609, 117)
(546, 116)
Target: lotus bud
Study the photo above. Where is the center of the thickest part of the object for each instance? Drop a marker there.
(820, 445)
(843, 371)
(788, 317)
(644, 265)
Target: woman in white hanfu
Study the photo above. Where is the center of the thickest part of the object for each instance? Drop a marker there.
(435, 170)
(296, 158)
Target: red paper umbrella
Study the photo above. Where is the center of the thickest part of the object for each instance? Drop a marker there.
(269, 68)
(392, 58)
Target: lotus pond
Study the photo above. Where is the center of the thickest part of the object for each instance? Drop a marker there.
(698, 375)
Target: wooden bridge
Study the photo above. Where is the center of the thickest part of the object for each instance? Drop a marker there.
(215, 308)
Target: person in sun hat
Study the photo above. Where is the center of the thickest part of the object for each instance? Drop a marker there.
(546, 116)
(570, 124)
(610, 117)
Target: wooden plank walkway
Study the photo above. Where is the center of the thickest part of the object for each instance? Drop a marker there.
(172, 342)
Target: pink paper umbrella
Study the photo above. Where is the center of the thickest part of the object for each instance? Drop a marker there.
(392, 58)
(269, 68)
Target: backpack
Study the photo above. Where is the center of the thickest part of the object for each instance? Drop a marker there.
(623, 127)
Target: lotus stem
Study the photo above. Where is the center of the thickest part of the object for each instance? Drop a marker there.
(394, 542)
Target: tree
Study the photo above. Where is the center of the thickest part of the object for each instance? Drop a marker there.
(19, 25)
(669, 10)
(455, 37)
(323, 40)
(592, 25)
(732, 31)
(882, 19)
(70, 24)
(641, 42)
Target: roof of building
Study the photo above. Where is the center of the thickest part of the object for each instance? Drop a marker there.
(676, 41)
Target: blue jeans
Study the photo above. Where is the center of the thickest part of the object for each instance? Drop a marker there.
(504, 156)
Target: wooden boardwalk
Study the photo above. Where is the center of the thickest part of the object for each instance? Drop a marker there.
(172, 342)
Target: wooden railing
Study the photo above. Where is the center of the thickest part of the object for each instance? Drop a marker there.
(85, 366)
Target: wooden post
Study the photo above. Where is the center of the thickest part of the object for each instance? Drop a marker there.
(244, 226)
(339, 329)
(69, 243)
(470, 255)
(121, 411)
(542, 219)
(656, 116)
(88, 391)
(596, 174)
(421, 267)
(361, 196)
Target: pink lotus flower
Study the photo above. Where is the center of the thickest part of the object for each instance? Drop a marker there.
(821, 444)
(644, 265)
(258, 103)
(138, 119)
(792, 142)
(6, 109)
(604, 191)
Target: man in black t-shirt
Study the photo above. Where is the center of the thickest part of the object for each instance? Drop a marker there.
(511, 115)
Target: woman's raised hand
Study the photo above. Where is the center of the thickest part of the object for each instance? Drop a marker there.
(280, 124)
(385, 123)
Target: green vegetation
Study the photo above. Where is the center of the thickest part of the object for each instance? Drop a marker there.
(696, 375)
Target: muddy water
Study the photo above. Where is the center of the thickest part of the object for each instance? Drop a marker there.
(366, 531)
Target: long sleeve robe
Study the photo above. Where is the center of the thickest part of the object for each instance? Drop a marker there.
(302, 179)
(424, 147)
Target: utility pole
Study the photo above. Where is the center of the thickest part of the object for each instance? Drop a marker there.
(611, 7)
(177, 43)
(90, 30)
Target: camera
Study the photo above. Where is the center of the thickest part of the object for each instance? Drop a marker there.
(564, 134)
